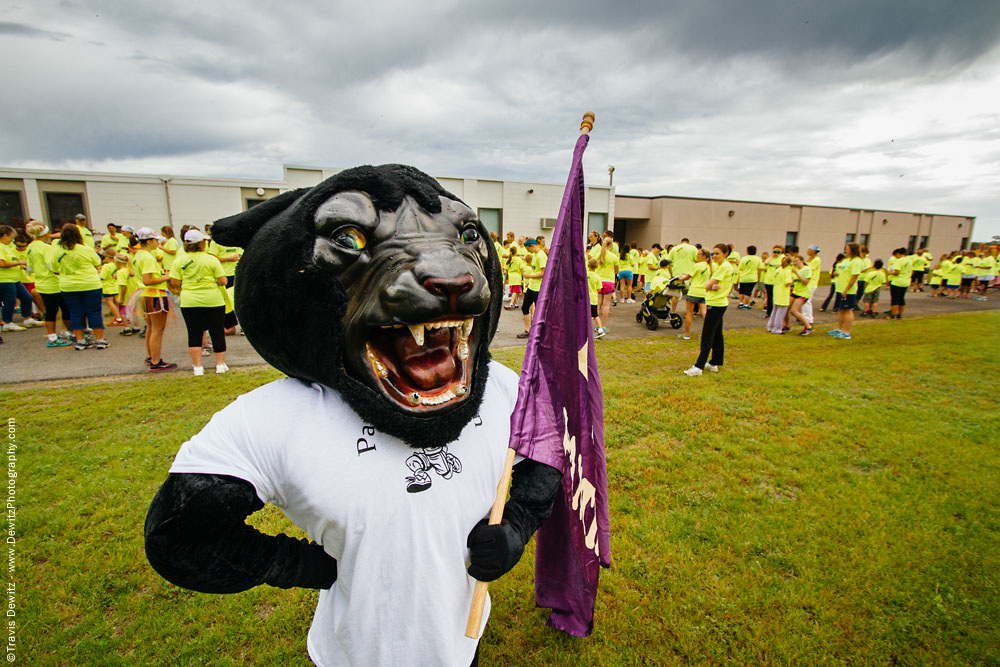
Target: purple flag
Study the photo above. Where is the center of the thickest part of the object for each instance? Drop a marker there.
(559, 421)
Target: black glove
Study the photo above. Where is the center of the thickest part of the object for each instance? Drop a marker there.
(494, 550)
(197, 537)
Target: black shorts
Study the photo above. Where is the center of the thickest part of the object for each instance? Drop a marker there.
(53, 304)
(530, 297)
(918, 277)
(746, 289)
(155, 304)
(967, 282)
(593, 310)
(846, 301)
(897, 295)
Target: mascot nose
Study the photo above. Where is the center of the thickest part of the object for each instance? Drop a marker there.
(449, 287)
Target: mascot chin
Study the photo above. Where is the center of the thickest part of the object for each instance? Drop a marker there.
(377, 292)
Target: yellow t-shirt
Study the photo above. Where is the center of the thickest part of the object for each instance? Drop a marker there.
(144, 262)
(109, 286)
(782, 293)
(956, 271)
(10, 274)
(40, 256)
(124, 278)
(106, 240)
(875, 281)
(772, 264)
(538, 261)
(725, 274)
(593, 285)
(198, 273)
(77, 268)
(848, 267)
(609, 267)
(814, 271)
(683, 256)
(905, 267)
(800, 288)
(168, 259)
(88, 236)
(514, 270)
(699, 277)
(749, 267)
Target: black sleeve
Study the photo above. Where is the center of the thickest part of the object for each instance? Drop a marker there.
(197, 537)
(494, 550)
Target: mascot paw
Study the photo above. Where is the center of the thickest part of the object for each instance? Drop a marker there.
(494, 550)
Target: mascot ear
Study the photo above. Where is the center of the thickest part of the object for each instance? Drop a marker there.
(237, 230)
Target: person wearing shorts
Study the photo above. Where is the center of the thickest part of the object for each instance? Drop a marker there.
(848, 271)
(873, 286)
(534, 285)
(80, 286)
(696, 293)
(40, 257)
(899, 281)
(155, 303)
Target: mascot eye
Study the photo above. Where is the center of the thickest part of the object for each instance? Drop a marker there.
(470, 234)
(351, 238)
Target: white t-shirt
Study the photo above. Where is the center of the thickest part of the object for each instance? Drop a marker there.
(402, 593)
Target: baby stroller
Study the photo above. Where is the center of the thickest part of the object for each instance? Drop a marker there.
(656, 307)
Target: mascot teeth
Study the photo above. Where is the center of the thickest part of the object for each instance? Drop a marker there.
(417, 331)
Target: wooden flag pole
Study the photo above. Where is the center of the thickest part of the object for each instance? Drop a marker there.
(496, 514)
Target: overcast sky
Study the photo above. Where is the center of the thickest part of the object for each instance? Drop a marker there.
(860, 103)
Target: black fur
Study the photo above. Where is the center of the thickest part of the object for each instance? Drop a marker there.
(292, 309)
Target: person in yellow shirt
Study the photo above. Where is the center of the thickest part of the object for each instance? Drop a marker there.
(718, 288)
(534, 285)
(936, 278)
(202, 282)
(696, 294)
(80, 286)
(652, 263)
(771, 264)
(26, 291)
(813, 261)
(40, 254)
(593, 287)
(848, 271)
(781, 290)
(155, 303)
(801, 274)
(876, 279)
(515, 268)
(899, 281)
(749, 269)
(109, 285)
(168, 248)
(85, 233)
(11, 288)
(607, 269)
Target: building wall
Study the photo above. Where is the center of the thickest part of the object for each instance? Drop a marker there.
(136, 204)
(193, 204)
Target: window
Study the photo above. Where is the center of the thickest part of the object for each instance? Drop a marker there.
(924, 240)
(865, 238)
(965, 243)
(850, 238)
(11, 211)
(911, 245)
(791, 238)
(253, 202)
(597, 222)
(63, 207)
(491, 219)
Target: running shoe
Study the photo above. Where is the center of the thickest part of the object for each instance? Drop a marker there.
(694, 371)
(834, 332)
(712, 367)
(684, 336)
(84, 344)
(57, 342)
(600, 334)
(207, 347)
(523, 334)
(162, 365)
(10, 326)
(102, 344)
(199, 370)
(32, 322)
(221, 368)
(806, 332)
(843, 336)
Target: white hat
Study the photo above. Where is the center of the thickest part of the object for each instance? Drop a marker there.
(195, 236)
(146, 233)
(127, 228)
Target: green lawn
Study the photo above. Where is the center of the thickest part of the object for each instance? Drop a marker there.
(818, 502)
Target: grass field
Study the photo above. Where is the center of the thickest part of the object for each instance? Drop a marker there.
(818, 502)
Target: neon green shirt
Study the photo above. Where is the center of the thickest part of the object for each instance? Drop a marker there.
(955, 273)
(683, 256)
(772, 264)
(109, 286)
(77, 268)
(800, 288)
(123, 278)
(514, 270)
(145, 262)
(905, 267)
(848, 267)
(593, 285)
(168, 259)
(88, 237)
(198, 273)
(875, 281)
(814, 271)
(749, 268)
(725, 274)
(40, 258)
(734, 258)
(919, 263)
(10, 274)
(699, 278)
(538, 261)
(781, 291)
(609, 267)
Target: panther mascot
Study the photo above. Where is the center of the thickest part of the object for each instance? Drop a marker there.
(377, 293)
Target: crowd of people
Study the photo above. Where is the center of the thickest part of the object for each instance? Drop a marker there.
(783, 280)
(133, 279)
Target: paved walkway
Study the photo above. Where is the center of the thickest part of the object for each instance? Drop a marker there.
(25, 358)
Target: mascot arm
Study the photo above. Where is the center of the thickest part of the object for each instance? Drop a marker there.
(197, 537)
(494, 550)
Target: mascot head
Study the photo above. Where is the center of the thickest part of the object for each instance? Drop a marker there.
(379, 284)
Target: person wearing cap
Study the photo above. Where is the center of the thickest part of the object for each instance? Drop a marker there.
(202, 282)
(80, 286)
(533, 273)
(771, 265)
(154, 299)
(10, 281)
(40, 257)
(813, 264)
(168, 247)
(85, 233)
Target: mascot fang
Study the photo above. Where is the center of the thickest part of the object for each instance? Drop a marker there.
(377, 292)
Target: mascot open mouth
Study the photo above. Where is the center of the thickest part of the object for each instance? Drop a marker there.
(424, 365)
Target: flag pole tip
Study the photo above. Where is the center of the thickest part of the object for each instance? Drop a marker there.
(588, 122)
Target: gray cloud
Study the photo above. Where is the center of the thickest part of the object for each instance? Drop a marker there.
(23, 30)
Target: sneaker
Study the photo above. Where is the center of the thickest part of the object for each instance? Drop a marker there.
(694, 371)
(199, 370)
(523, 334)
(84, 344)
(10, 326)
(102, 344)
(32, 322)
(207, 347)
(784, 329)
(149, 362)
(684, 336)
(57, 342)
(712, 367)
(127, 331)
(834, 332)
(221, 368)
(600, 334)
(843, 336)
(806, 332)
(162, 365)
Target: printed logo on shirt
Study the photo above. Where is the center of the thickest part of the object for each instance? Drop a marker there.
(427, 460)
